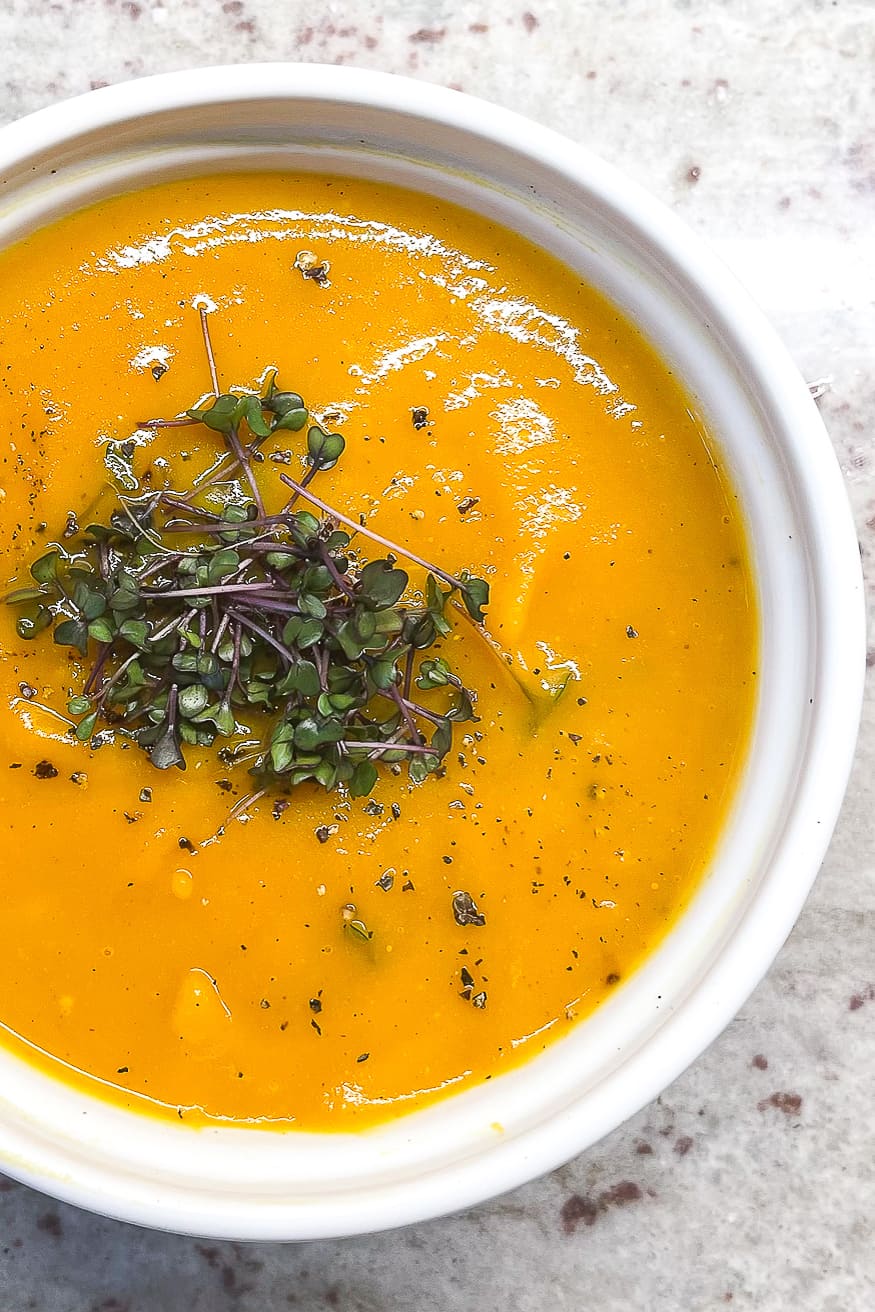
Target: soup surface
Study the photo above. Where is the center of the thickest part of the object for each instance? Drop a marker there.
(173, 959)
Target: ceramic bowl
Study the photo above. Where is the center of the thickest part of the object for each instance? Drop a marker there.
(266, 1185)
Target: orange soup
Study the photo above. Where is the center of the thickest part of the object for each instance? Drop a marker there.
(307, 957)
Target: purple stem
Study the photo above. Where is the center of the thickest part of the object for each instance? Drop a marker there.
(234, 443)
(375, 537)
(426, 714)
(334, 572)
(305, 481)
(277, 607)
(408, 673)
(216, 590)
(220, 632)
(227, 526)
(263, 633)
(208, 347)
(174, 624)
(321, 659)
(97, 668)
(166, 423)
(113, 680)
(379, 749)
(394, 695)
(235, 664)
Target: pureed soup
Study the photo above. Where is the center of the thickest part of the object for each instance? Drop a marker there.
(239, 940)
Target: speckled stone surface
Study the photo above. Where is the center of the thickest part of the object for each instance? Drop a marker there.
(751, 1183)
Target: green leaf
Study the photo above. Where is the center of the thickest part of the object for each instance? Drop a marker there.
(189, 733)
(72, 633)
(85, 728)
(135, 632)
(292, 628)
(436, 600)
(185, 662)
(433, 674)
(289, 408)
(202, 663)
(79, 705)
(165, 751)
(94, 606)
(381, 584)
(101, 631)
(220, 715)
(307, 524)
(388, 622)
(422, 766)
(222, 563)
(343, 678)
(464, 706)
(434, 595)
(99, 532)
(336, 541)
(223, 719)
(193, 699)
(475, 595)
(317, 578)
(313, 606)
(284, 403)
(390, 725)
(258, 694)
(366, 625)
(134, 674)
(341, 702)
(351, 644)
(280, 559)
(220, 416)
(392, 756)
(363, 779)
(28, 628)
(125, 597)
(45, 570)
(20, 595)
(324, 449)
(442, 739)
(326, 774)
(310, 733)
(301, 677)
(383, 672)
(302, 632)
(281, 756)
(292, 421)
(419, 631)
(254, 418)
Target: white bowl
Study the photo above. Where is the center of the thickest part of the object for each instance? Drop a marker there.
(248, 1184)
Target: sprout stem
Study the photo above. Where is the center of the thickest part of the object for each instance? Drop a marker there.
(396, 550)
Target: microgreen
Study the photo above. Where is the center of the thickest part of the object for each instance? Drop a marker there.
(272, 629)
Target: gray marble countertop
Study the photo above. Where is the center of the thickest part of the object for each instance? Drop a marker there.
(751, 1183)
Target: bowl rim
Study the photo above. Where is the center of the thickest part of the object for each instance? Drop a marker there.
(840, 664)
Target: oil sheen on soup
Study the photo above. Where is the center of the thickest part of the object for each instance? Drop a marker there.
(175, 948)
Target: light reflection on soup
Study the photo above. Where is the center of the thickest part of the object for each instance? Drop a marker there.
(212, 977)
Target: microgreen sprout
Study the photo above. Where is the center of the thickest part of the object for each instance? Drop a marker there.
(272, 630)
